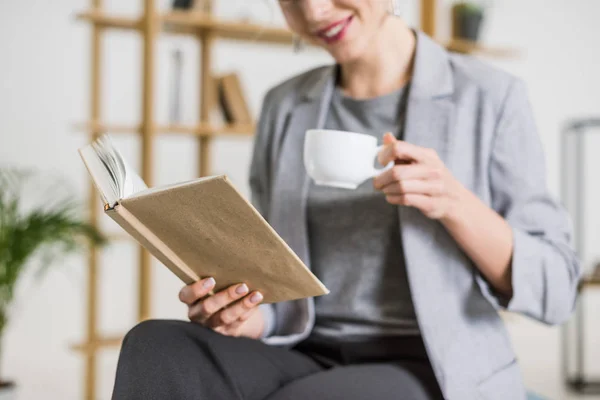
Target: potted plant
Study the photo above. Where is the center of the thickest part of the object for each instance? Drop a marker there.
(467, 18)
(38, 220)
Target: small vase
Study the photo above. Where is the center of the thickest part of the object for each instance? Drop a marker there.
(8, 391)
(467, 26)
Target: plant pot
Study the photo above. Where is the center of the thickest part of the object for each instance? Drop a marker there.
(466, 25)
(8, 391)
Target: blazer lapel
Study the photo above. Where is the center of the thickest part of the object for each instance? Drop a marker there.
(428, 124)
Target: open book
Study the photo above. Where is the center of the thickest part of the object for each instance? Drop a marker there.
(199, 228)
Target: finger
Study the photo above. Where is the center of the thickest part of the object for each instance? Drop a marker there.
(423, 203)
(234, 328)
(195, 291)
(223, 330)
(415, 186)
(204, 309)
(405, 172)
(246, 316)
(404, 151)
(234, 312)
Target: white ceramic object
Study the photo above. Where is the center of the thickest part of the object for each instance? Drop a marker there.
(341, 159)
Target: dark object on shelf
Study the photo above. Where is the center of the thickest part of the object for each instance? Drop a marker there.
(187, 5)
(232, 99)
(573, 196)
(466, 21)
(175, 109)
(183, 4)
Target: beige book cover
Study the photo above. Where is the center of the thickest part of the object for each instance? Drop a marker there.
(201, 228)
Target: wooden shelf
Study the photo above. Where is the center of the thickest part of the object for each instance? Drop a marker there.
(190, 22)
(110, 21)
(592, 279)
(184, 21)
(109, 341)
(469, 47)
(195, 130)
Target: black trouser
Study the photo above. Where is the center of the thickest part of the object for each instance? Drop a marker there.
(182, 360)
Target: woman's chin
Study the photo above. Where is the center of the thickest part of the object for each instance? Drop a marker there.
(346, 54)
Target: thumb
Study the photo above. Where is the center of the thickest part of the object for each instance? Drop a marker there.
(388, 138)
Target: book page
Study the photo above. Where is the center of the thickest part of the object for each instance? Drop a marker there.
(102, 176)
(114, 178)
(128, 180)
(133, 182)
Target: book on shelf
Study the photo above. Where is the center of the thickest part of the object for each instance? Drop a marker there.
(199, 228)
(232, 100)
(194, 5)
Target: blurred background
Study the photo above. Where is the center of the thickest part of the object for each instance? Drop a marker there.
(46, 114)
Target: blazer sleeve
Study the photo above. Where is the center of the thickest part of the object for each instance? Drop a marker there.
(259, 181)
(545, 269)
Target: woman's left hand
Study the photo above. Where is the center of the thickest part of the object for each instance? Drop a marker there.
(419, 179)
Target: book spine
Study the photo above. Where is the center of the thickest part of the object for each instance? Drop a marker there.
(152, 243)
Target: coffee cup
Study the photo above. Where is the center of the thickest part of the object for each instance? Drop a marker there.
(341, 159)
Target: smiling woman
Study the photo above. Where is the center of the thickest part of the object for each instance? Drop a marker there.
(418, 259)
(350, 27)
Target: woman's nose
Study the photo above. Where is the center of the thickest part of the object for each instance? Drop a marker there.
(316, 10)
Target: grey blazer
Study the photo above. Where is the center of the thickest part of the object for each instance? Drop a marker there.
(479, 121)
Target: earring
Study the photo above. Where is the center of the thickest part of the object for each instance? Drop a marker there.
(395, 8)
(297, 44)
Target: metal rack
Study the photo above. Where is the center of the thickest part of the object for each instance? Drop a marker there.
(573, 192)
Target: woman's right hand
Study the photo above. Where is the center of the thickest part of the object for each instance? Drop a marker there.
(232, 311)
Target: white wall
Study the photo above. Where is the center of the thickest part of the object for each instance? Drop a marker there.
(44, 84)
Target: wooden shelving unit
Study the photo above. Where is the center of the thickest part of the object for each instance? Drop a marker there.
(150, 24)
(207, 29)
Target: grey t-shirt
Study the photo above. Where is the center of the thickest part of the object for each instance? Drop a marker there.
(355, 243)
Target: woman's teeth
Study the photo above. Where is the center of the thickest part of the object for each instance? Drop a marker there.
(335, 30)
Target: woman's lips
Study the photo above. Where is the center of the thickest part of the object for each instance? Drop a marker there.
(336, 31)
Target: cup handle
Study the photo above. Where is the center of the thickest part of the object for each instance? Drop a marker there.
(377, 171)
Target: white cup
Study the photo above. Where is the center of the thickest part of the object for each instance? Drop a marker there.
(341, 159)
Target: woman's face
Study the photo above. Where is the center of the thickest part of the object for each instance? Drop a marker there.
(345, 28)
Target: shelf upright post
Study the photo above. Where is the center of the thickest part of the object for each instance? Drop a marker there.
(148, 127)
(93, 254)
(205, 38)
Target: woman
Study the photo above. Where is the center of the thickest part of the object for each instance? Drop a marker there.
(418, 260)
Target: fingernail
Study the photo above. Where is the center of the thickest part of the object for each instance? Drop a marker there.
(210, 282)
(256, 297)
(241, 289)
(183, 294)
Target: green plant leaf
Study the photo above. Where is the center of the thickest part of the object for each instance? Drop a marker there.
(51, 228)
